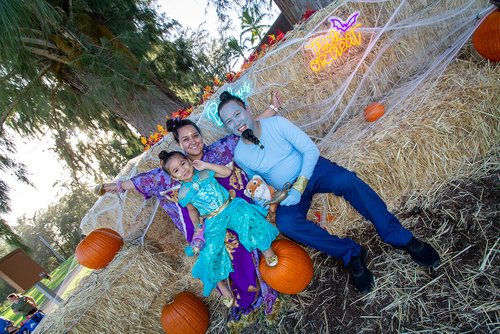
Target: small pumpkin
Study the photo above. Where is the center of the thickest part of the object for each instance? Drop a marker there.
(186, 314)
(374, 111)
(294, 271)
(486, 37)
(98, 248)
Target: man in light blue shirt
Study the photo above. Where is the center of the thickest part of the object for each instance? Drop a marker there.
(280, 152)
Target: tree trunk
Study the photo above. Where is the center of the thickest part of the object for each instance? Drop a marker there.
(160, 105)
(294, 9)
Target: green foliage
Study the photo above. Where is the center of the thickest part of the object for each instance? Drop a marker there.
(256, 7)
(83, 67)
(251, 24)
(59, 225)
(10, 237)
(18, 170)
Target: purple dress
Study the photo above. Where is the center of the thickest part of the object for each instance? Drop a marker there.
(247, 285)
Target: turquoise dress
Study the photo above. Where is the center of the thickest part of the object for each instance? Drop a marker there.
(207, 195)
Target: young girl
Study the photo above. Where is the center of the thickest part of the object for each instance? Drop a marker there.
(205, 198)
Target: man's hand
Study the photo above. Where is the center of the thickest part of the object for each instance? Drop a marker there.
(292, 198)
(276, 99)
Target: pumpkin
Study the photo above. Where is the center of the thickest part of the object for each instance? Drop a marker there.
(374, 111)
(186, 314)
(486, 38)
(98, 248)
(294, 271)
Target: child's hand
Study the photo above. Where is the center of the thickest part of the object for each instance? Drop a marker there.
(200, 165)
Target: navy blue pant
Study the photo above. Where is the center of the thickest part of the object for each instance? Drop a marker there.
(328, 177)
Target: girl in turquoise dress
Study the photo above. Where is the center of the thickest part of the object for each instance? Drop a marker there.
(205, 198)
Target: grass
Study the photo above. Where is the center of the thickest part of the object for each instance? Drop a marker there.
(57, 277)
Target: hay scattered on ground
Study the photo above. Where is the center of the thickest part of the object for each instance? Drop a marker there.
(460, 218)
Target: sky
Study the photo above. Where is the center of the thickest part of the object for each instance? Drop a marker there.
(45, 171)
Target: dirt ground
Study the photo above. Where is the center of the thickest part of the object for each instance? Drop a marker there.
(460, 296)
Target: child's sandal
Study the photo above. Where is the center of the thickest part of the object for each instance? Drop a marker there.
(228, 301)
(272, 261)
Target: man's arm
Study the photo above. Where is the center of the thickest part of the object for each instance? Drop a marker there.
(276, 102)
(301, 141)
(310, 154)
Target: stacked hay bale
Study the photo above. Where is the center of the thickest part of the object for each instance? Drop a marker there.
(115, 299)
(440, 119)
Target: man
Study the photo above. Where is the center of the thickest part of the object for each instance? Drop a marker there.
(24, 305)
(280, 152)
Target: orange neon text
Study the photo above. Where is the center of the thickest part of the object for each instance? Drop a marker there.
(330, 46)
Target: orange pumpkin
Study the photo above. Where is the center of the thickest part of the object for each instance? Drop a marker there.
(486, 38)
(98, 248)
(185, 315)
(294, 270)
(374, 111)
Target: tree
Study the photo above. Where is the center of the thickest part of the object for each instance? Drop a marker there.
(251, 24)
(59, 225)
(255, 7)
(86, 67)
(19, 171)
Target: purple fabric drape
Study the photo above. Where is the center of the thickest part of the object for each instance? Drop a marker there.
(249, 289)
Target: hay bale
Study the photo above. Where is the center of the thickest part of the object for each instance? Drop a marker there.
(441, 122)
(439, 130)
(404, 43)
(115, 299)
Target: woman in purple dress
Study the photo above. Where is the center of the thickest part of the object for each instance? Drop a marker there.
(250, 291)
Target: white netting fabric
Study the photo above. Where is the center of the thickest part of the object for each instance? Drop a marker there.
(404, 45)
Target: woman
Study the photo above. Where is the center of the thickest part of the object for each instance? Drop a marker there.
(249, 289)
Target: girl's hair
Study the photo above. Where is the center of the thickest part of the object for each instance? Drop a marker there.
(226, 97)
(164, 156)
(173, 125)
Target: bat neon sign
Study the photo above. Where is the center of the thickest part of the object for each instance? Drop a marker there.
(332, 45)
(340, 25)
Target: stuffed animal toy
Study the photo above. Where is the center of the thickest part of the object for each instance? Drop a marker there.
(260, 192)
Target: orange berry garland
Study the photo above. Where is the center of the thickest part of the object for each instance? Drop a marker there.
(208, 91)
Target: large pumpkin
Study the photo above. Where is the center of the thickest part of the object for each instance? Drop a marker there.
(98, 248)
(294, 270)
(374, 111)
(486, 38)
(186, 314)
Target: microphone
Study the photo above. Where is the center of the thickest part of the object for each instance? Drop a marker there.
(248, 135)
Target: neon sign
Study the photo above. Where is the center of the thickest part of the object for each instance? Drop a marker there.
(242, 91)
(340, 25)
(329, 47)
